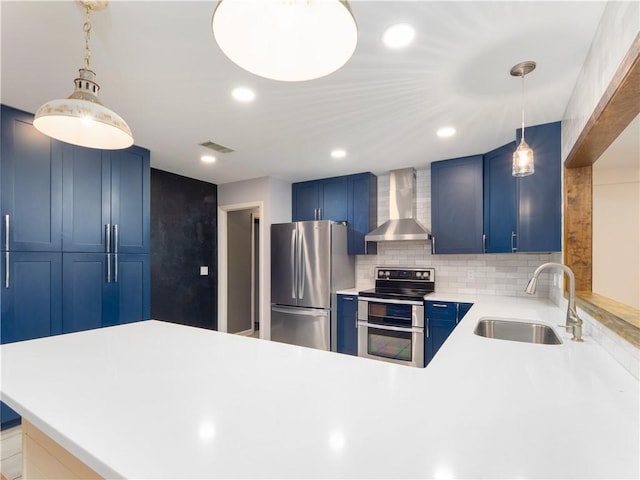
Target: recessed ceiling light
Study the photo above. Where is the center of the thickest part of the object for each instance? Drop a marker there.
(446, 132)
(208, 158)
(243, 94)
(338, 153)
(398, 36)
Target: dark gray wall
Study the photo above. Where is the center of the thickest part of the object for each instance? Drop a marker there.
(183, 238)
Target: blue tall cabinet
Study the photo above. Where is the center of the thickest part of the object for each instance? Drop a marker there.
(75, 235)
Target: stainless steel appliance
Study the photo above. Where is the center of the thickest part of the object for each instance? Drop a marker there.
(309, 263)
(391, 316)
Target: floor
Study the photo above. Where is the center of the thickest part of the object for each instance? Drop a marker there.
(11, 453)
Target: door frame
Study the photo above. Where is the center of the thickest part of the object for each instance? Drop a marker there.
(223, 264)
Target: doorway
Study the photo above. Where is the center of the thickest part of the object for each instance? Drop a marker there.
(240, 270)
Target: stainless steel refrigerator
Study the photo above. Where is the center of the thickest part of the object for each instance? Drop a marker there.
(309, 263)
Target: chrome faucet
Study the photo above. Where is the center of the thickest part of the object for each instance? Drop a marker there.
(573, 323)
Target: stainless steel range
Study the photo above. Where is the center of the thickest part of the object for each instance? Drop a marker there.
(391, 316)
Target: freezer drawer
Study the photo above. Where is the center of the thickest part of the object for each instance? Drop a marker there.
(307, 327)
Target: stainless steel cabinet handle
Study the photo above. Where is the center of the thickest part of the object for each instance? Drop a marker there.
(320, 213)
(484, 243)
(513, 237)
(115, 268)
(426, 328)
(115, 238)
(6, 233)
(433, 244)
(6, 271)
(439, 305)
(107, 243)
(115, 251)
(457, 313)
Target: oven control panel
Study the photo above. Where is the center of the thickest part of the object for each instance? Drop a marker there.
(413, 274)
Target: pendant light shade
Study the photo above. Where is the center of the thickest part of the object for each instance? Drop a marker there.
(287, 40)
(82, 119)
(523, 158)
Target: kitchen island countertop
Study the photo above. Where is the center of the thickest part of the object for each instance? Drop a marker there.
(159, 400)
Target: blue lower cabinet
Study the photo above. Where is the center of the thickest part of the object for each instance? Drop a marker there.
(31, 303)
(346, 323)
(441, 318)
(101, 290)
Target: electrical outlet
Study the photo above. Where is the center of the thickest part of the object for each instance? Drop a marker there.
(204, 271)
(470, 275)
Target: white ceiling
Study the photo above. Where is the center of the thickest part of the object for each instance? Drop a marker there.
(161, 70)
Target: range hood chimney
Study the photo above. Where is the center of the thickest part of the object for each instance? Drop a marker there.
(402, 224)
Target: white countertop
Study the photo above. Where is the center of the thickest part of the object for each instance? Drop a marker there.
(158, 400)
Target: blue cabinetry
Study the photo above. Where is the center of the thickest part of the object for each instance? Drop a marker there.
(347, 326)
(350, 198)
(71, 216)
(524, 214)
(324, 199)
(456, 205)
(440, 320)
(31, 171)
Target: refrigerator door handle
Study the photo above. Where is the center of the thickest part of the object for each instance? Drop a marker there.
(293, 263)
(313, 312)
(301, 266)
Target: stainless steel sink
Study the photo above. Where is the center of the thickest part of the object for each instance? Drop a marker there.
(517, 331)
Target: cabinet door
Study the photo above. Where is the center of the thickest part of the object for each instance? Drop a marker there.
(456, 203)
(540, 194)
(87, 200)
(362, 212)
(31, 171)
(463, 308)
(31, 295)
(499, 200)
(130, 196)
(305, 201)
(333, 205)
(131, 290)
(346, 323)
(440, 320)
(87, 300)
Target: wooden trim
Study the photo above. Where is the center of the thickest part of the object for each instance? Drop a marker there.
(617, 107)
(617, 317)
(578, 206)
(43, 458)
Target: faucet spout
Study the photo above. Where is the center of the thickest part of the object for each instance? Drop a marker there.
(573, 321)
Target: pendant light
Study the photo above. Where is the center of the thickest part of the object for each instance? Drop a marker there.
(523, 163)
(287, 40)
(82, 119)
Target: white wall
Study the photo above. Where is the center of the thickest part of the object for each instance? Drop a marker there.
(275, 196)
(616, 233)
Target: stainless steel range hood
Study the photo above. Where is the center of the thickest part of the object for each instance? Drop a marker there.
(402, 224)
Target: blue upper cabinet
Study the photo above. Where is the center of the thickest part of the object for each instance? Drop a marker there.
(500, 224)
(350, 198)
(362, 215)
(324, 199)
(106, 199)
(524, 214)
(31, 171)
(456, 205)
(540, 194)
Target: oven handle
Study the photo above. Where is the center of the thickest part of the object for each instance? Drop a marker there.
(391, 328)
(390, 300)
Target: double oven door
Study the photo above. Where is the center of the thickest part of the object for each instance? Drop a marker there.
(391, 330)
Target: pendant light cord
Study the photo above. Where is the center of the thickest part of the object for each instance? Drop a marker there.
(523, 106)
(87, 36)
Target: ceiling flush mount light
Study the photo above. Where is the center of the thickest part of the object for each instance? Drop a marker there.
(243, 94)
(82, 119)
(288, 40)
(446, 132)
(523, 163)
(338, 153)
(208, 158)
(398, 36)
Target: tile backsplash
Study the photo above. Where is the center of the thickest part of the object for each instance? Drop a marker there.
(487, 274)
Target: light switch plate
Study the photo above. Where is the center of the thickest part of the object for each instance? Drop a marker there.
(204, 270)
